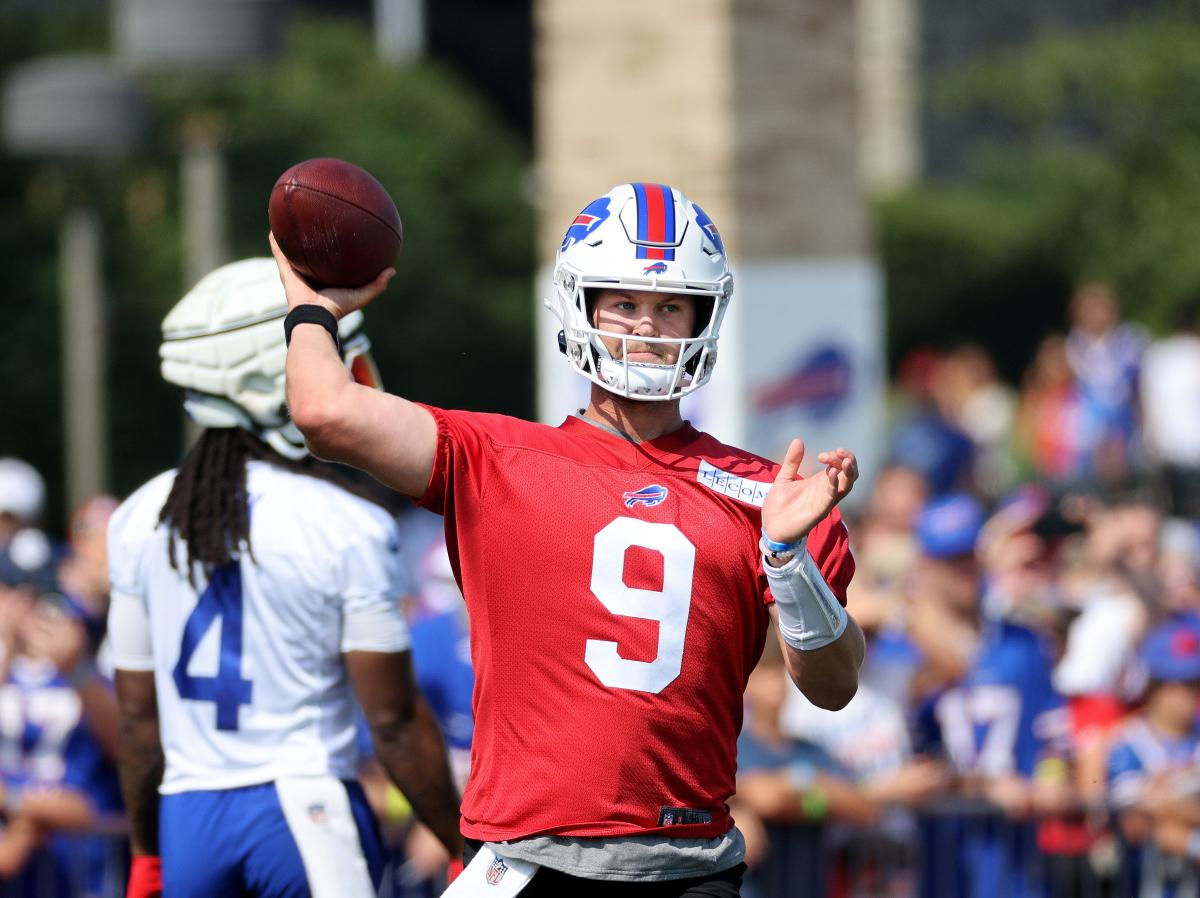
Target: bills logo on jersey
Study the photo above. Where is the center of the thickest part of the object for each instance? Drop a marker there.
(656, 268)
(585, 222)
(647, 496)
(496, 871)
(706, 225)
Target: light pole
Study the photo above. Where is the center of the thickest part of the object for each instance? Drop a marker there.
(72, 109)
(399, 29)
(199, 36)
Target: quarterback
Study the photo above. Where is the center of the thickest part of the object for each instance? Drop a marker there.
(620, 570)
(253, 597)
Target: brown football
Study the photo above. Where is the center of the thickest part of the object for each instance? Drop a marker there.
(336, 224)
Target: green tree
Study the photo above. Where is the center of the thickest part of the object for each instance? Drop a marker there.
(1088, 166)
(453, 329)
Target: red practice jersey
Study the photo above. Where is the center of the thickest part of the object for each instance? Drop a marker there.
(617, 606)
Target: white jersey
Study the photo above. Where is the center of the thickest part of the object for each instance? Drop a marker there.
(248, 669)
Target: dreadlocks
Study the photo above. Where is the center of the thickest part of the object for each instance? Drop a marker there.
(206, 508)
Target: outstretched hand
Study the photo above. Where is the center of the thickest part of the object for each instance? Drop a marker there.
(341, 301)
(795, 505)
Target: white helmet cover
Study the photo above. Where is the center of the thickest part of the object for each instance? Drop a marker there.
(641, 237)
(223, 343)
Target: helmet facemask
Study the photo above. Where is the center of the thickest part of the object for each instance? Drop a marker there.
(583, 343)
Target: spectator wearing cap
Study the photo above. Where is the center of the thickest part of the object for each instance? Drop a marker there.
(25, 552)
(25, 573)
(943, 605)
(992, 722)
(1152, 768)
(22, 494)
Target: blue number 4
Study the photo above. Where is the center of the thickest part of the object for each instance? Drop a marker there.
(223, 599)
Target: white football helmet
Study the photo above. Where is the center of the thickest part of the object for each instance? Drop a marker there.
(223, 343)
(641, 237)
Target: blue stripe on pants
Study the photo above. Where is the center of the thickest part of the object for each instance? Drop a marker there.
(235, 842)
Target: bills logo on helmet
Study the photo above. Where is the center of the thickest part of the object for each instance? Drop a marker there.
(496, 871)
(585, 222)
(656, 268)
(647, 496)
(706, 225)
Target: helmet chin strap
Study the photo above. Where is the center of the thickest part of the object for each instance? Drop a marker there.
(286, 440)
(213, 411)
(637, 379)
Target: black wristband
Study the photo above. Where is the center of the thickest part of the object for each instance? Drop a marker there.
(311, 313)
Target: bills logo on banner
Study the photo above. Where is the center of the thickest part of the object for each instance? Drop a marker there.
(496, 871)
(819, 384)
(647, 496)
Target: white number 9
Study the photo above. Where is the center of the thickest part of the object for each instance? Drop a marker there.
(669, 606)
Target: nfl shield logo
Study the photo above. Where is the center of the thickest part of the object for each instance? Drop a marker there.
(496, 871)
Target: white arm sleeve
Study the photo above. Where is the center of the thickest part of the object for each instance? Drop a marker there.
(378, 629)
(810, 615)
(129, 633)
(373, 580)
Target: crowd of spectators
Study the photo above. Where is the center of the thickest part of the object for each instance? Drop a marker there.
(1029, 584)
(62, 828)
(59, 798)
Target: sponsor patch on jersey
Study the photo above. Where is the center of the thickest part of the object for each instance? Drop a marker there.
(496, 871)
(647, 496)
(752, 492)
(656, 268)
(682, 817)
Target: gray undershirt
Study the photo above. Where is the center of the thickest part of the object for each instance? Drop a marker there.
(582, 416)
(629, 858)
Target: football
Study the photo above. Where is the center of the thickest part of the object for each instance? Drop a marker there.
(336, 224)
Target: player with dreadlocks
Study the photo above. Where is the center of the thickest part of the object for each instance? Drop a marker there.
(254, 595)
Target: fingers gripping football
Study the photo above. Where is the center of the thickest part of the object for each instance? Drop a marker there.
(795, 505)
(338, 300)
